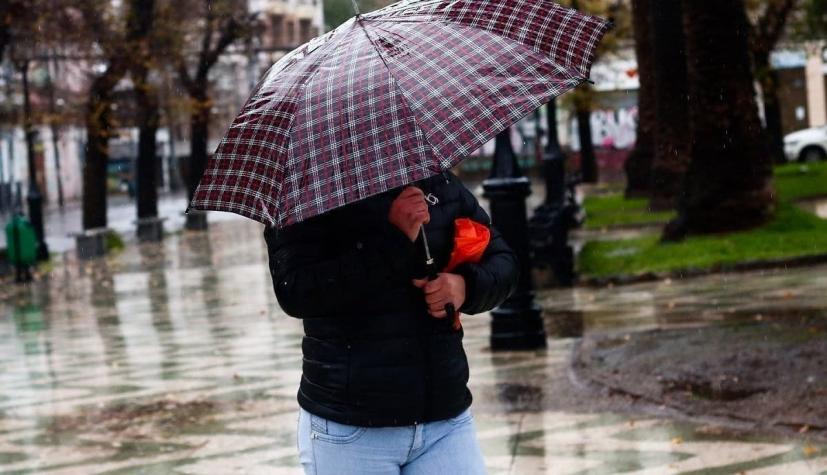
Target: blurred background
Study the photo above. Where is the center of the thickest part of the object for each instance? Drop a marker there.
(676, 233)
(99, 96)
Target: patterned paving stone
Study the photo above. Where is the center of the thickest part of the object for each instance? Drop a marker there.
(192, 326)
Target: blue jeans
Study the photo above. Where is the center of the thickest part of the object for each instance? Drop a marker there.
(449, 446)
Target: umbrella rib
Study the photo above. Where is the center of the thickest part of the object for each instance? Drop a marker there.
(401, 92)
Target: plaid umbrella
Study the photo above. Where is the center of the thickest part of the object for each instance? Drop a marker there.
(390, 98)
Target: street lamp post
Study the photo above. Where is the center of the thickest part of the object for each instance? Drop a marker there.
(517, 324)
(35, 197)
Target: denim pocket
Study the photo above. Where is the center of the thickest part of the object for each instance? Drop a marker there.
(333, 432)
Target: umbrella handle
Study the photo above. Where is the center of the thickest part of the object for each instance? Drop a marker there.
(449, 308)
(451, 311)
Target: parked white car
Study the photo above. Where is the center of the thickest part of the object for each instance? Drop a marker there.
(808, 145)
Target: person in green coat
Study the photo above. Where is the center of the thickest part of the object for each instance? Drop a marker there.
(21, 246)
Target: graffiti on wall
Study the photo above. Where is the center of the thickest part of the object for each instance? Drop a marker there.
(611, 128)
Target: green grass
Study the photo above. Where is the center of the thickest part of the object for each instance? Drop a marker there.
(613, 210)
(792, 233)
(800, 181)
(793, 182)
(114, 242)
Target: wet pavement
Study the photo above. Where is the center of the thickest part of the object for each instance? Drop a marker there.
(176, 358)
(62, 224)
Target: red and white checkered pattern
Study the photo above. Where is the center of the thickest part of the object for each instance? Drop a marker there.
(390, 98)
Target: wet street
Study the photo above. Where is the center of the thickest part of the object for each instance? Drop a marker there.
(176, 358)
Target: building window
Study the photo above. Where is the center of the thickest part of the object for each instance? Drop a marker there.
(305, 29)
(276, 31)
(290, 33)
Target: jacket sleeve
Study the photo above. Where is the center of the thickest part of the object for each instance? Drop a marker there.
(311, 283)
(491, 281)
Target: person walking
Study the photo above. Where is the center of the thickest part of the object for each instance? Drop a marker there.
(390, 100)
(384, 377)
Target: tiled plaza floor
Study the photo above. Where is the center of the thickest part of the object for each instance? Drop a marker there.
(177, 359)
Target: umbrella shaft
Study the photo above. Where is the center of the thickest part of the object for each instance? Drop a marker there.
(429, 260)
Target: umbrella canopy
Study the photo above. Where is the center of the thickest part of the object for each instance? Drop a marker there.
(390, 98)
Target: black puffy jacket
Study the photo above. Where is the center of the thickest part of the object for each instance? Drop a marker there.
(373, 356)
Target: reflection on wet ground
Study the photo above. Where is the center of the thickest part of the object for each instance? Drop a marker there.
(668, 303)
(177, 359)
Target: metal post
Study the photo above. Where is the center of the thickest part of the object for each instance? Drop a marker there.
(560, 213)
(554, 161)
(34, 198)
(517, 324)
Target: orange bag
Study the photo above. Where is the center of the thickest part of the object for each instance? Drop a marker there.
(470, 242)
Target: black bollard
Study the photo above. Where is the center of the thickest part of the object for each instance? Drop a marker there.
(517, 324)
(560, 213)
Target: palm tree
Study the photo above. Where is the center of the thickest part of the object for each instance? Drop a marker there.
(639, 164)
(671, 156)
(728, 184)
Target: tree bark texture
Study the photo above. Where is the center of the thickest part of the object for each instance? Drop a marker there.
(588, 158)
(728, 184)
(121, 57)
(638, 166)
(774, 129)
(146, 97)
(199, 132)
(764, 37)
(671, 152)
(147, 166)
(98, 129)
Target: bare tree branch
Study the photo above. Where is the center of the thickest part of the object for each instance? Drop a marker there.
(769, 28)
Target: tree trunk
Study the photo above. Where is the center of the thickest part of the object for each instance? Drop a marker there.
(588, 159)
(671, 157)
(28, 125)
(143, 13)
(4, 28)
(728, 184)
(98, 116)
(199, 127)
(773, 128)
(148, 115)
(54, 125)
(35, 195)
(199, 136)
(639, 164)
